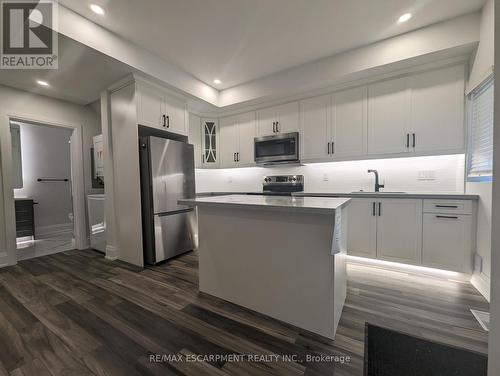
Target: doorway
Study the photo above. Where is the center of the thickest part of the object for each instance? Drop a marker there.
(41, 177)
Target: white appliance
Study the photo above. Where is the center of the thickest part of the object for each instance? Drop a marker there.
(97, 226)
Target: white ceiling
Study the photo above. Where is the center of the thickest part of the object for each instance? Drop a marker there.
(83, 73)
(242, 40)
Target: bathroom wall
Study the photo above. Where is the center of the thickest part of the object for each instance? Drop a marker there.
(46, 154)
(443, 174)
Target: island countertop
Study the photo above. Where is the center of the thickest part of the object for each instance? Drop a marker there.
(319, 205)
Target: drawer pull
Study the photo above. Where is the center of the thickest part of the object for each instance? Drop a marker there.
(446, 216)
(447, 206)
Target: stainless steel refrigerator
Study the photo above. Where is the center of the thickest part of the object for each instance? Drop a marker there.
(167, 175)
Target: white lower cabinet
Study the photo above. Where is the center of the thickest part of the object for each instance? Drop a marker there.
(447, 241)
(362, 228)
(433, 233)
(399, 230)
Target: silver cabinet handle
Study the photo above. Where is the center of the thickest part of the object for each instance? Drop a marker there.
(379, 209)
(164, 117)
(414, 141)
(274, 127)
(374, 209)
(277, 126)
(446, 217)
(447, 206)
(407, 140)
(328, 148)
(333, 147)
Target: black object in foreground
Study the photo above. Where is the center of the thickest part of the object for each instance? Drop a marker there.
(391, 353)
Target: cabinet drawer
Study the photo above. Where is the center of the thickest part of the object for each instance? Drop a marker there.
(448, 206)
(447, 242)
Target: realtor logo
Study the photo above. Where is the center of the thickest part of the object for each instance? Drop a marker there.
(28, 38)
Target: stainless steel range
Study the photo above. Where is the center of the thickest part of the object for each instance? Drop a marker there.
(282, 185)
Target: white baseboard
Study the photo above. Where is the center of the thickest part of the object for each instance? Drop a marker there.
(111, 252)
(482, 283)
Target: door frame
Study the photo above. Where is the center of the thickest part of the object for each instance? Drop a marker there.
(77, 181)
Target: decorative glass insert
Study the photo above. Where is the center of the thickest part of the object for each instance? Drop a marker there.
(210, 146)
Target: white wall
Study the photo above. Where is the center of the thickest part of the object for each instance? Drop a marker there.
(46, 154)
(481, 64)
(43, 109)
(399, 174)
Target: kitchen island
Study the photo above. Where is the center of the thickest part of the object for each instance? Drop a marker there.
(281, 256)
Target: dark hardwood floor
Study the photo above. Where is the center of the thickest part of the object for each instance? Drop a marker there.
(75, 313)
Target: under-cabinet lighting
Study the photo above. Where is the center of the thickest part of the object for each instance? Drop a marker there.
(415, 268)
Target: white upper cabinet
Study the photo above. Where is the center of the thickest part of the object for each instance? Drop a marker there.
(388, 117)
(237, 135)
(229, 140)
(195, 139)
(349, 126)
(175, 111)
(399, 230)
(210, 143)
(150, 105)
(278, 119)
(247, 134)
(437, 110)
(316, 129)
(155, 108)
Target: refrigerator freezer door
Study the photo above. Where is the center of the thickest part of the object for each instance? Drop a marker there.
(174, 234)
(172, 170)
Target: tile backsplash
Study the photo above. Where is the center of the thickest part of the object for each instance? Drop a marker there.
(443, 174)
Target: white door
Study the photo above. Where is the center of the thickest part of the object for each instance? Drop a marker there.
(362, 228)
(388, 117)
(176, 115)
(315, 126)
(247, 133)
(437, 110)
(195, 138)
(228, 141)
(447, 242)
(399, 230)
(150, 106)
(266, 121)
(288, 117)
(349, 126)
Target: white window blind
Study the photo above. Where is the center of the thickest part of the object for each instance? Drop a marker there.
(480, 161)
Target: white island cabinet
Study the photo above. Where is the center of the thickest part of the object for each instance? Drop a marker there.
(281, 256)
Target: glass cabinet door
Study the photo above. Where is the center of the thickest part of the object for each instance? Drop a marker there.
(210, 140)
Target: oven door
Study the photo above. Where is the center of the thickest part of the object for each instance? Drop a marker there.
(278, 148)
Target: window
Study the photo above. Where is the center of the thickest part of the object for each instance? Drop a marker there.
(480, 153)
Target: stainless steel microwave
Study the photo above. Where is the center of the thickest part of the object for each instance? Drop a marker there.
(279, 148)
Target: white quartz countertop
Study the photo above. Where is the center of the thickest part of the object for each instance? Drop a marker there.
(319, 205)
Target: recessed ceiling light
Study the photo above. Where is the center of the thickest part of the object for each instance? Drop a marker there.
(217, 81)
(42, 83)
(97, 9)
(405, 17)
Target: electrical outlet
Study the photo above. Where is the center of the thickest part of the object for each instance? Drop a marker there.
(325, 177)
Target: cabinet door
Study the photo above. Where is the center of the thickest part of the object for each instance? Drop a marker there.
(447, 242)
(210, 143)
(399, 230)
(315, 126)
(437, 110)
(288, 117)
(349, 123)
(388, 117)
(195, 138)
(362, 228)
(150, 106)
(176, 112)
(228, 141)
(246, 127)
(265, 121)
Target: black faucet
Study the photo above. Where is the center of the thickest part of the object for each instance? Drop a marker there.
(377, 185)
